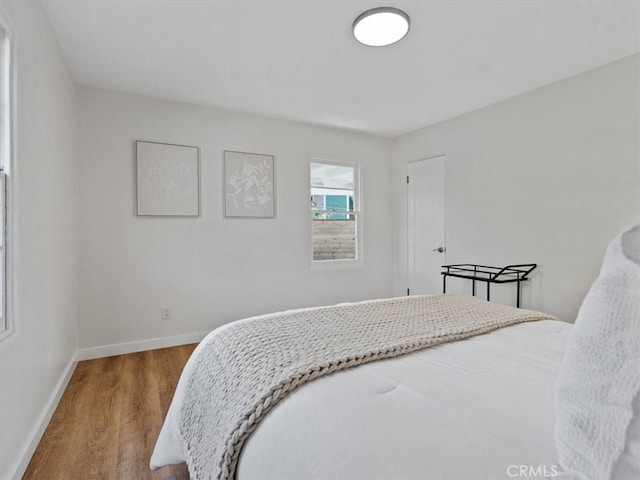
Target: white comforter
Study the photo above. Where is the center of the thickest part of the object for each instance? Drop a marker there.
(480, 408)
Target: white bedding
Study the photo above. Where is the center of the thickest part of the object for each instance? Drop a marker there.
(474, 409)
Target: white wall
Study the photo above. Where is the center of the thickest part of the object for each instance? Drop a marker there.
(547, 177)
(210, 270)
(36, 357)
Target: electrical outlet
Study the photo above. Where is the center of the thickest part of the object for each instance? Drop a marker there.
(165, 313)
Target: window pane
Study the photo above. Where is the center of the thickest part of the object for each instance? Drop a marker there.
(334, 239)
(334, 211)
(2, 250)
(325, 175)
(340, 248)
(5, 154)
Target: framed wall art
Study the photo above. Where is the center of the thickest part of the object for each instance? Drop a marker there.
(167, 180)
(249, 185)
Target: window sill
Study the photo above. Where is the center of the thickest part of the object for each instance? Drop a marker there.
(5, 333)
(320, 265)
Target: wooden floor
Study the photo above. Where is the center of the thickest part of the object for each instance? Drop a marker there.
(109, 417)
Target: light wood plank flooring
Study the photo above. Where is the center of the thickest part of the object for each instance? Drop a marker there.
(109, 417)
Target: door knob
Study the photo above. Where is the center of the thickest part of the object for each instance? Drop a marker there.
(439, 250)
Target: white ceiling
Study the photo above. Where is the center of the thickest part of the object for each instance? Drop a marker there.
(297, 60)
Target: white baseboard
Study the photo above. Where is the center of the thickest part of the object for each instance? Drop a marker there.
(87, 354)
(43, 421)
(139, 346)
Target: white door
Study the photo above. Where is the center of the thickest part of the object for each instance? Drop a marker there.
(426, 225)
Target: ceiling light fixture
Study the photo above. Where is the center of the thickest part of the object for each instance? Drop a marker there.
(381, 26)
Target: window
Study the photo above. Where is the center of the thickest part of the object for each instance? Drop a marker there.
(5, 169)
(335, 212)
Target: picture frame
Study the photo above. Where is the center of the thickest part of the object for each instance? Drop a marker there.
(249, 185)
(167, 179)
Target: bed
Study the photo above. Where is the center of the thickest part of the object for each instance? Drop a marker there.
(433, 388)
(476, 408)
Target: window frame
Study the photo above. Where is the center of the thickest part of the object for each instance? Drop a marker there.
(357, 212)
(7, 163)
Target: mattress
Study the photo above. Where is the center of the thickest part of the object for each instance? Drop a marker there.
(480, 408)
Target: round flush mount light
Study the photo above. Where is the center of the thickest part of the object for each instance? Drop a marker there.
(381, 26)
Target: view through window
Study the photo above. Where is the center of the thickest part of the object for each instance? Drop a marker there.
(334, 202)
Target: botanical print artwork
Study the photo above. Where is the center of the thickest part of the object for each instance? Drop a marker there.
(167, 179)
(249, 185)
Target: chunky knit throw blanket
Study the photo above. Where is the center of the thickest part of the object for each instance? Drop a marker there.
(250, 366)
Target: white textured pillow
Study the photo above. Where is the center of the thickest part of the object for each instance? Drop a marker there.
(599, 381)
(628, 466)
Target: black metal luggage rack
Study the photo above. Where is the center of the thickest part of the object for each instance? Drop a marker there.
(489, 275)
